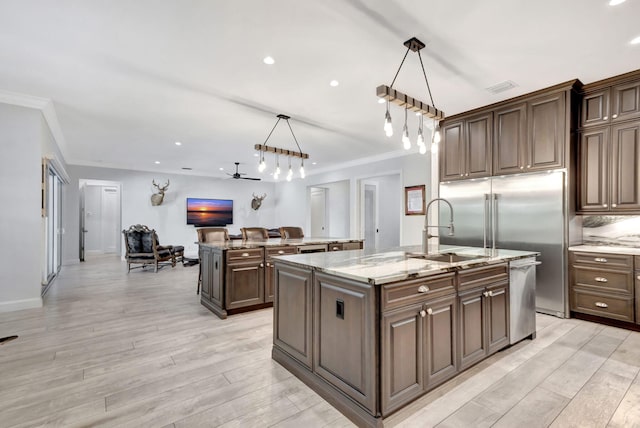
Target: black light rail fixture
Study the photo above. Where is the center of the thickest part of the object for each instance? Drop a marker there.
(263, 148)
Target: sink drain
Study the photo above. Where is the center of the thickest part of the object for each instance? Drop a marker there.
(4, 340)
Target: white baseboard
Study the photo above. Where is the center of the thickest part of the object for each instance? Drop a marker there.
(17, 305)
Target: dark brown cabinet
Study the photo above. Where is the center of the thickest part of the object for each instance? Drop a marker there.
(466, 148)
(245, 278)
(419, 335)
(269, 268)
(637, 290)
(483, 313)
(530, 136)
(610, 102)
(608, 169)
(602, 284)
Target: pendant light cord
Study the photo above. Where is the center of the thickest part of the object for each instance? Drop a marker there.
(273, 129)
(396, 76)
(294, 137)
(426, 80)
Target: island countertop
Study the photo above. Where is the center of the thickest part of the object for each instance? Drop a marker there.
(398, 264)
(236, 244)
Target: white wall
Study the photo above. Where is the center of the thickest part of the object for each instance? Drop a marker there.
(390, 210)
(168, 219)
(338, 208)
(414, 169)
(24, 139)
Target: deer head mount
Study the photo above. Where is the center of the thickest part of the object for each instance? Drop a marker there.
(257, 201)
(157, 198)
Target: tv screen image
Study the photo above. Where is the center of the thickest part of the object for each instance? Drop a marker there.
(209, 212)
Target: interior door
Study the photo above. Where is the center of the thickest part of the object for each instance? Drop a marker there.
(319, 212)
(109, 225)
(371, 216)
(82, 222)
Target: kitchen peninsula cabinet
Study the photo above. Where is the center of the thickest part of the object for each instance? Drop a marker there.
(237, 276)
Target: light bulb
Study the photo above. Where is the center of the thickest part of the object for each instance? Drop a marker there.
(276, 175)
(278, 170)
(434, 148)
(262, 166)
(388, 128)
(436, 135)
(405, 138)
(422, 148)
(302, 169)
(290, 174)
(420, 140)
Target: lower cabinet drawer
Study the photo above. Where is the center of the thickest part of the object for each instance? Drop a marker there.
(408, 292)
(605, 279)
(603, 305)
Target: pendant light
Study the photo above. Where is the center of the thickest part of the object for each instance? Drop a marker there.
(405, 133)
(302, 168)
(388, 128)
(262, 165)
(290, 173)
(262, 148)
(276, 173)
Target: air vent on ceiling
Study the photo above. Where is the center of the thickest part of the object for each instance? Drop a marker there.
(186, 168)
(501, 87)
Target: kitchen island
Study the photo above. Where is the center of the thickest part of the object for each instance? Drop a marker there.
(372, 332)
(237, 276)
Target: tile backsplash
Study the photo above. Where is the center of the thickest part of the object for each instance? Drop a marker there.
(611, 230)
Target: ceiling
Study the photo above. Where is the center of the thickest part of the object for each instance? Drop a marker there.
(130, 78)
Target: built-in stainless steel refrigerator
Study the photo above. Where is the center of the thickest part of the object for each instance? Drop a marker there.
(520, 212)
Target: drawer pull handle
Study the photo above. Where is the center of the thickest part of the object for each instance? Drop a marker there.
(261, 264)
(423, 313)
(268, 264)
(485, 294)
(423, 289)
(600, 259)
(601, 279)
(429, 311)
(280, 251)
(334, 248)
(638, 277)
(601, 305)
(245, 254)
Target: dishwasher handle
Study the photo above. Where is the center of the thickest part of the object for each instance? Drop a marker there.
(524, 266)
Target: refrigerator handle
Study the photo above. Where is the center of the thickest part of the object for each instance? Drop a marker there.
(484, 220)
(494, 220)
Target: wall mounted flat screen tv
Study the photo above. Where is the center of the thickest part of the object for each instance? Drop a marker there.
(209, 212)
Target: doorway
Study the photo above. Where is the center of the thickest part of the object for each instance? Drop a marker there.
(381, 211)
(371, 216)
(99, 218)
(318, 204)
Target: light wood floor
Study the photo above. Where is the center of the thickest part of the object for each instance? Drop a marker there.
(111, 349)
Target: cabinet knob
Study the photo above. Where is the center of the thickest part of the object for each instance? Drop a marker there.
(614, 116)
(528, 166)
(614, 205)
(601, 279)
(461, 175)
(522, 167)
(490, 293)
(429, 311)
(600, 259)
(423, 289)
(423, 313)
(601, 305)
(485, 294)
(261, 264)
(334, 248)
(280, 251)
(245, 254)
(467, 174)
(605, 118)
(268, 264)
(638, 277)
(604, 205)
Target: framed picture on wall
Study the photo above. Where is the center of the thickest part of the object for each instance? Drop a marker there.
(414, 203)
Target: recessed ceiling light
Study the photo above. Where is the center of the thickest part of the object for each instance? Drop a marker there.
(255, 155)
(381, 100)
(635, 41)
(615, 2)
(178, 143)
(157, 162)
(334, 83)
(314, 163)
(221, 169)
(269, 60)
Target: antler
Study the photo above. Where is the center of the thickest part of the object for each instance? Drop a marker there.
(259, 197)
(163, 188)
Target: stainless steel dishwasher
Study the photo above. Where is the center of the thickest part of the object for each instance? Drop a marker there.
(522, 299)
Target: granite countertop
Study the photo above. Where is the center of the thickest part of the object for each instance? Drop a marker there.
(611, 249)
(398, 264)
(275, 242)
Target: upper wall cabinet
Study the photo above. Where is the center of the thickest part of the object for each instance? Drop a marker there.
(466, 148)
(525, 134)
(611, 100)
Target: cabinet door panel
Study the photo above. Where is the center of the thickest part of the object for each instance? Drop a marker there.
(593, 171)
(402, 358)
(452, 152)
(626, 101)
(217, 280)
(637, 295)
(509, 139)
(546, 126)
(595, 108)
(206, 265)
(498, 314)
(292, 325)
(625, 165)
(472, 328)
(479, 139)
(244, 285)
(440, 342)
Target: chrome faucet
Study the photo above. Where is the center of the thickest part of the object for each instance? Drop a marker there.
(425, 232)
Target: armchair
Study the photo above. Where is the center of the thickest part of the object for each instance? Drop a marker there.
(254, 233)
(142, 248)
(291, 232)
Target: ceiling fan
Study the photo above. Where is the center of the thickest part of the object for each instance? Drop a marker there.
(239, 175)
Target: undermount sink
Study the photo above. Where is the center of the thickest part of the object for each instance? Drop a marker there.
(446, 257)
